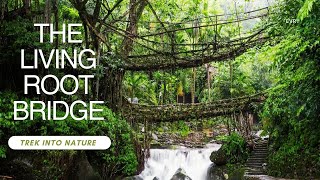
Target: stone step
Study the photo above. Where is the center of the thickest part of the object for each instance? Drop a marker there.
(264, 142)
(254, 168)
(251, 169)
(255, 148)
(260, 150)
(256, 160)
(255, 164)
(261, 147)
(259, 155)
(265, 149)
(254, 173)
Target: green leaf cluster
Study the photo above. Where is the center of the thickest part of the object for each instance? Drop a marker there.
(235, 147)
(291, 112)
(120, 159)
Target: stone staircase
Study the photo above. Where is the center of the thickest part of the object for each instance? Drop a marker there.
(257, 161)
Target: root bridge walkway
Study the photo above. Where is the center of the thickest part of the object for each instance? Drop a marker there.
(176, 112)
(191, 43)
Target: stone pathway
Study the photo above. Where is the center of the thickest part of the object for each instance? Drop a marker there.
(256, 163)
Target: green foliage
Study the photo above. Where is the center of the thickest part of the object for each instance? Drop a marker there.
(69, 13)
(305, 9)
(291, 112)
(183, 128)
(19, 35)
(235, 147)
(120, 156)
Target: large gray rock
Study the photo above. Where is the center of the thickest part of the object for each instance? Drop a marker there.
(180, 175)
(216, 173)
(219, 157)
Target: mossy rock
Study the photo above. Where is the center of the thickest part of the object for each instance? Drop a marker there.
(219, 157)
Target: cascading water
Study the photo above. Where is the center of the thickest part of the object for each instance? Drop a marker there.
(163, 163)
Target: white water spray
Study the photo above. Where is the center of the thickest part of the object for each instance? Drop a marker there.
(163, 163)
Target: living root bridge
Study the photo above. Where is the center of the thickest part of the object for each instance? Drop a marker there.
(176, 112)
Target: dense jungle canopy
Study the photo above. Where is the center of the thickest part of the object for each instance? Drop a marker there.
(167, 52)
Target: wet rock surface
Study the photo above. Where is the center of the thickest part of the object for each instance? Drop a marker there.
(180, 175)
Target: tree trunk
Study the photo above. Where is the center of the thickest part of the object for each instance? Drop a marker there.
(109, 88)
(98, 51)
(112, 88)
(231, 79)
(56, 21)
(193, 86)
(47, 13)
(164, 92)
(4, 8)
(208, 82)
(27, 6)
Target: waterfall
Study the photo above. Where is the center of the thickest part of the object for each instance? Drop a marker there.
(163, 163)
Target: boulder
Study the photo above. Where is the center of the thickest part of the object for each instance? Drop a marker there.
(224, 173)
(133, 178)
(82, 169)
(180, 174)
(154, 137)
(219, 157)
(217, 173)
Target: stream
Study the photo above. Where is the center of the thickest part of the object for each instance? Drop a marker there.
(163, 163)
